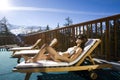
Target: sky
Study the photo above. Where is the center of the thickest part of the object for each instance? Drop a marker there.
(52, 12)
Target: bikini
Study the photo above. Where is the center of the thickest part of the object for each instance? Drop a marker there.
(70, 51)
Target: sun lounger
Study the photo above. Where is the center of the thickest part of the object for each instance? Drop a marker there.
(34, 46)
(32, 52)
(52, 66)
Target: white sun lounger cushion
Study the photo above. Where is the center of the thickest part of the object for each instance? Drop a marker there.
(26, 52)
(50, 63)
(20, 48)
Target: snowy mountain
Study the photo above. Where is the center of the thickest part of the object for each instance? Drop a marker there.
(21, 29)
(16, 29)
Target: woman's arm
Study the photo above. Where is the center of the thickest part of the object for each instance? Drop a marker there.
(75, 55)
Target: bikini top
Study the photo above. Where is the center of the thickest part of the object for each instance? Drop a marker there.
(71, 50)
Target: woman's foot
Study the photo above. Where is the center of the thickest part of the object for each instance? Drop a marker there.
(30, 60)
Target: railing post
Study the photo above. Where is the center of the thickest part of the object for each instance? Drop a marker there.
(107, 40)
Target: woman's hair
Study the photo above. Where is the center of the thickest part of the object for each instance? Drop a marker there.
(84, 39)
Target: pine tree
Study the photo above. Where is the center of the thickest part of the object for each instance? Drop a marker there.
(47, 28)
(68, 21)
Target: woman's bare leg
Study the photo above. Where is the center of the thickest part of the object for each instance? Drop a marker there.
(51, 51)
(55, 55)
(39, 56)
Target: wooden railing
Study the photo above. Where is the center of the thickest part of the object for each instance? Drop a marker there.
(107, 29)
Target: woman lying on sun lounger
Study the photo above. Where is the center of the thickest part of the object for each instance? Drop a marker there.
(71, 54)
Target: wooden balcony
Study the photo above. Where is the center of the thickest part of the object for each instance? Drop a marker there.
(107, 29)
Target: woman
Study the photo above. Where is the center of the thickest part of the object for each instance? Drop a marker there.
(71, 54)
